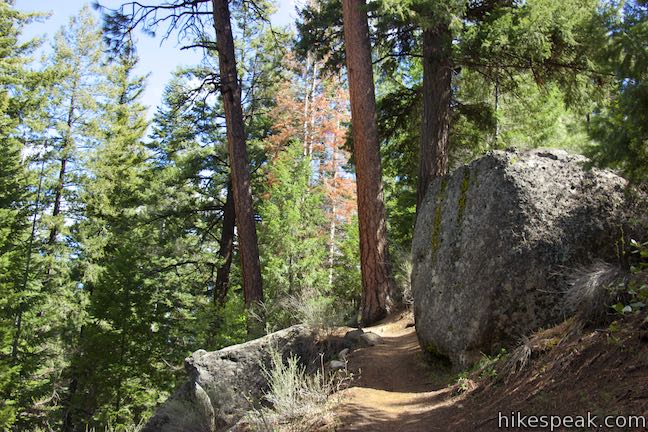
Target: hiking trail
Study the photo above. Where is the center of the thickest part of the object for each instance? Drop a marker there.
(394, 389)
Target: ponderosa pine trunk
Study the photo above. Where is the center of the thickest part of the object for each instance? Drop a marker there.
(437, 95)
(226, 248)
(238, 158)
(376, 278)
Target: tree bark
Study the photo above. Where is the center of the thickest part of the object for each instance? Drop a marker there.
(226, 248)
(437, 94)
(376, 278)
(231, 94)
(58, 196)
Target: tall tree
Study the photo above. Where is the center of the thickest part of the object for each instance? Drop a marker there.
(437, 95)
(44, 302)
(136, 262)
(376, 277)
(77, 60)
(239, 165)
(15, 199)
(186, 18)
(500, 40)
(322, 131)
(620, 126)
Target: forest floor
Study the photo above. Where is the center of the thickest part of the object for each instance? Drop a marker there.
(603, 371)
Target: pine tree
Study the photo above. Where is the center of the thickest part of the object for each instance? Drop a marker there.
(26, 380)
(236, 139)
(551, 41)
(55, 313)
(190, 144)
(148, 243)
(620, 126)
(14, 201)
(111, 195)
(376, 276)
(293, 247)
(77, 61)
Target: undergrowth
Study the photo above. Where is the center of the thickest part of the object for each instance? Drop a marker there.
(295, 400)
(486, 367)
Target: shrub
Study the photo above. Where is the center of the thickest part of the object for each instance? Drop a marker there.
(317, 310)
(403, 276)
(592, 290)
(294, 397)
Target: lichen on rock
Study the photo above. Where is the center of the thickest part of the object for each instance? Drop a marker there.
(502, 229)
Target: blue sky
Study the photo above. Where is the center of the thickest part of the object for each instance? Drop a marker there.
(159, 61)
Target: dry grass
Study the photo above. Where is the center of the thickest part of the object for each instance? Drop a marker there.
(297, 401)
(108, 428)
(592, 290)
(537, 344)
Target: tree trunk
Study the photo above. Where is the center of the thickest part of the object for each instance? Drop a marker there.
(231, 94)
(376, 278)
(58, 196)
(309, 111)
(226, 248)
(437, 94)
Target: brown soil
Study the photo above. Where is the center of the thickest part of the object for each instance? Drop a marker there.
(604, 372)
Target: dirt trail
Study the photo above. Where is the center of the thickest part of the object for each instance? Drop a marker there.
(396, 390)
(604, 372)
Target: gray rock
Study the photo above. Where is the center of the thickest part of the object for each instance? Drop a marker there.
(371, 339)
(342, 355)
(354, 334)
(360, 338)
(222, 383)
(492, 241)
(336, 364)
(354, 337)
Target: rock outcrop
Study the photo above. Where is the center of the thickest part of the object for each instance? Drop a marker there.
(222, 384)
(493, 241)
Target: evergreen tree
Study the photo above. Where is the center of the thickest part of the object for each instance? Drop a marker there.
(293, 247)
(148, 245)
(77, 59)
(191, 152)
(50, 325)
(111, 195)
(27, 375)
(620, 127)
(238, 157)
(14, 202)
(377, 283)
(500, 40)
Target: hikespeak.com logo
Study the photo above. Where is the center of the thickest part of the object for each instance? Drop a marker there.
(517, 420)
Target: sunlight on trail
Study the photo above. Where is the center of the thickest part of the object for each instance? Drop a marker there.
(396, 389)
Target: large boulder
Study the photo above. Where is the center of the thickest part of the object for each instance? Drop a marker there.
(223, 384)
(493, 241)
